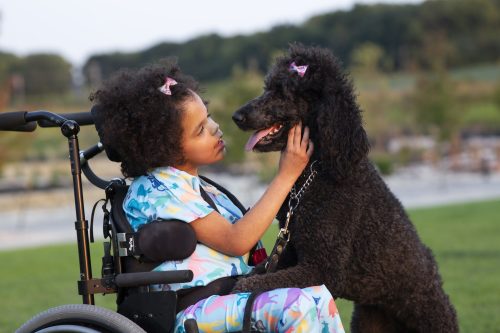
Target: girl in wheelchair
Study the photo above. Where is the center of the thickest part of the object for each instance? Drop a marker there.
(157, 123)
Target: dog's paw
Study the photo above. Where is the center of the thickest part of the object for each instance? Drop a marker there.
(241, 286)
(258, 269)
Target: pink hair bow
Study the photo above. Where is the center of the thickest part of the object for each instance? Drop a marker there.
(166, 87)
(301, 70)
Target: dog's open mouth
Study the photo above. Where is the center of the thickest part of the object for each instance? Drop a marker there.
(263, 136)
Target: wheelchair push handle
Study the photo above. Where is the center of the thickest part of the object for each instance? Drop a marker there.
(24, 121)
(82, 118)
(148, 278)
(16, 121)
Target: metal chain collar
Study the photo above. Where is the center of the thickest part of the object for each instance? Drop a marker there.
(294, 199)
(284, 235)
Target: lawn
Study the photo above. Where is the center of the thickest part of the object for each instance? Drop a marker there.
(465, 239)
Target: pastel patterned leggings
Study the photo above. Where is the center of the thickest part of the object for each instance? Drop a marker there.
(281, 310)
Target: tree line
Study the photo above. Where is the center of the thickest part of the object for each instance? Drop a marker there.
(411, 37)
(405, 37)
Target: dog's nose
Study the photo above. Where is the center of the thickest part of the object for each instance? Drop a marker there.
(238, 117)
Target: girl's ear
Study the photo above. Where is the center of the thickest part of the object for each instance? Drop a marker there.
(340, 139)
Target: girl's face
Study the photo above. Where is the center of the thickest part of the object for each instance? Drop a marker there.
(202, 142)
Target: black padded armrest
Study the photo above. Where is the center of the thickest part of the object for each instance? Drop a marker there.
(163, 240)
(147, 278)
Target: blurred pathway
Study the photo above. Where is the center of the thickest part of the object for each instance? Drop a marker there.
(23, 223)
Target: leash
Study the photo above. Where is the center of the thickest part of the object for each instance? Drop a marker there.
(284, 234)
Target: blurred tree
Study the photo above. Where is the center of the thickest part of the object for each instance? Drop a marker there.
(365, 66)
(7, 62)
(435, 97)
(469, 26)
(45, 74)
(367, 58)
(438, 113)
(401, 31)
(497, 95)
(437, 52)
(434, 101)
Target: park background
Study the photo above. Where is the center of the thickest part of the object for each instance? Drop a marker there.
(427, 76)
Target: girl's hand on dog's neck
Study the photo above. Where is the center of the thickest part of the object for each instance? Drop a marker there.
(296, 154)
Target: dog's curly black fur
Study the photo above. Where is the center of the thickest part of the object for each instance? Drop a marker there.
(349, 231)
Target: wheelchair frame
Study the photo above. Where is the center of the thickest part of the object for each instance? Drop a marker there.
(86, 317)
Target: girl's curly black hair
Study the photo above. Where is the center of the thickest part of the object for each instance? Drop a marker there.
(138, 122)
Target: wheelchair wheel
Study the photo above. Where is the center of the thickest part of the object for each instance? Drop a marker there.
(79, 318)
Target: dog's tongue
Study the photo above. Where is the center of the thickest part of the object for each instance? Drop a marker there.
(256, 137)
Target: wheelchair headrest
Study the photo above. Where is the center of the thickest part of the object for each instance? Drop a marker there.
(98, 121)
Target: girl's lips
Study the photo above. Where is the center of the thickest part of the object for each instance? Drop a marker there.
(220, 144)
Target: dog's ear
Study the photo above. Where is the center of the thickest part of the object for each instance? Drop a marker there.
(340, 139)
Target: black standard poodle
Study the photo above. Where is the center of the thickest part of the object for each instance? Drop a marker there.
(348, 231)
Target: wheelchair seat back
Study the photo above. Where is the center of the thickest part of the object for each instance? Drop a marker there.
(121, 227)
(154, 311)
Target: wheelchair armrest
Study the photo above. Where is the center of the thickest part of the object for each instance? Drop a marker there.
(163, 240)
(147, 278)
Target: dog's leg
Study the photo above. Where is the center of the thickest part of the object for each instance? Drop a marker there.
(300, 276)
(428, 312)
(373, 319)
(288, 258)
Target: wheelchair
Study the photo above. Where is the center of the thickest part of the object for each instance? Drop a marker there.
(129, 256)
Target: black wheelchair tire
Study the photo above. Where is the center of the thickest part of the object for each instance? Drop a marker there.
(89, 318)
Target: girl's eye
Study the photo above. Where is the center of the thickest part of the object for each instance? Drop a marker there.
(201, 131)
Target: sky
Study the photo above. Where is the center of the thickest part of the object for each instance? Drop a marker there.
(79, 29)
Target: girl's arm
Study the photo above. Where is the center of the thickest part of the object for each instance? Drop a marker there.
(237, 239)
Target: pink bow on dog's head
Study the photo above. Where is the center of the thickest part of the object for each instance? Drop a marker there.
(166, 87)
(301, 70)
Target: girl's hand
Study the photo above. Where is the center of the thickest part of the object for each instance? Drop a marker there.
(296, 154)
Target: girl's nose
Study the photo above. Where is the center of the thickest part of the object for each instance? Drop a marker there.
(214, 127)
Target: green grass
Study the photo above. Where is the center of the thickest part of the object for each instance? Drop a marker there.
(464, 238)
(485, 114)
